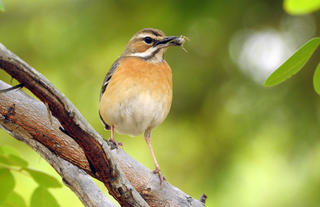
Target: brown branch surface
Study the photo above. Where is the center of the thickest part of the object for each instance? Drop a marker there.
(83, 145)
(101, 160)
(76, 179)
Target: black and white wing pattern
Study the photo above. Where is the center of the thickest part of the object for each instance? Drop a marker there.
(108, 77)
(105, 84)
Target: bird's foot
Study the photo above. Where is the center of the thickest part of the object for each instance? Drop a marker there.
(161, 177)
(115, 143)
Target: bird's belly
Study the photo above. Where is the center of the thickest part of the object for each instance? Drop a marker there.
(138, 96)
(135, 114)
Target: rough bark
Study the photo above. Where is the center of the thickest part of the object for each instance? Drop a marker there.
(126, 179)
(73, 177)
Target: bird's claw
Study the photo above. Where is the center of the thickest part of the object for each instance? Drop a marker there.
(161, 177)
(115, 143)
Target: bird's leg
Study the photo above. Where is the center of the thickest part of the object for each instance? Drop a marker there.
(117, 144)
(157, 170)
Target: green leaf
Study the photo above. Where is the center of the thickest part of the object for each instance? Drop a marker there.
(44, 179)
(294, 64)
(4, 160)
(7, 184)
(7, 150)
(42, 197)
(10, 156)
(14, 200)
(316, 79)
(1, 6)
(17, 161)
(301, 6)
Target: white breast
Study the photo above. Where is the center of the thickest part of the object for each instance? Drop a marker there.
(138, 113)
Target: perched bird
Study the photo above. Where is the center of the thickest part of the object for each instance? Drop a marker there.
(136, 93)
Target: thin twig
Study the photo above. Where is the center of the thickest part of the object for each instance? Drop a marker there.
(11, 88)
(203, 198)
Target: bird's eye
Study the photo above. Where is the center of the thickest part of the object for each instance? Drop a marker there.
(148, 40)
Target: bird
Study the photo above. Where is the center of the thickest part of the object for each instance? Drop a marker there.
(136, 93)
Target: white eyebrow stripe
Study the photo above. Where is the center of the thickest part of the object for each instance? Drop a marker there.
(143, 35)
(146, 53)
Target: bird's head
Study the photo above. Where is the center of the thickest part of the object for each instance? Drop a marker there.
(150, 44)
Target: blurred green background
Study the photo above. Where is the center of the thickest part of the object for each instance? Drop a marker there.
(226, 135)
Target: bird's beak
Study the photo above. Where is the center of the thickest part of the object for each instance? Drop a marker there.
(170, 41)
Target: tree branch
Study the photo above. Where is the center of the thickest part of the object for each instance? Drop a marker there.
(77, 180)
(93, 149)
(101, 160)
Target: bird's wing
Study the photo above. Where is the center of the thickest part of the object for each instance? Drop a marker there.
(108, 77)
(105, 84)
